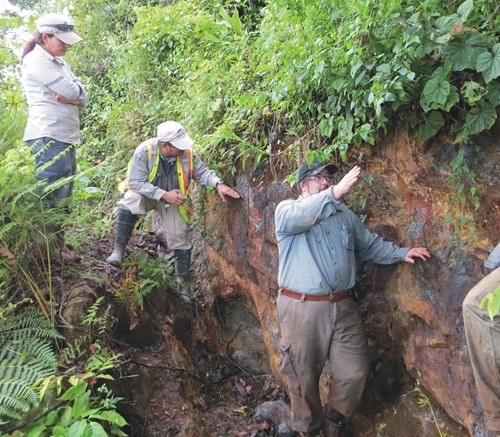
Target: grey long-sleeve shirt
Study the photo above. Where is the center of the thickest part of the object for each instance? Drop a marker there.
(141, 166)
(319, 240)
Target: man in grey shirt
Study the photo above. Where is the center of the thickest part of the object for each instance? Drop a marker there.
(159, 175)
(319, 240)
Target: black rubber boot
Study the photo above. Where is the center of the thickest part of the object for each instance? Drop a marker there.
(183, 273)
(124, 226)
(334, 424)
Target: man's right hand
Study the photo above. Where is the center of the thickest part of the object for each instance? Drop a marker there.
(347, 182)
(173, 197)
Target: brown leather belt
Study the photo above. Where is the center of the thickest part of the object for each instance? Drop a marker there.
(332, 297)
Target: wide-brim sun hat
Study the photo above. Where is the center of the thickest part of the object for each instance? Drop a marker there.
(59, 26)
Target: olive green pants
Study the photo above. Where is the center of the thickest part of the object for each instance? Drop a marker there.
(483, 342)
(311, 333)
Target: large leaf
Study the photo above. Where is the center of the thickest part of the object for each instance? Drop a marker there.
(494, 93)
(435, 94)
(489, 63)
(444, 24)
(464, 51)
(96, 430)
(480, 119)
(472, 92)
(433, 123)
(465, 9)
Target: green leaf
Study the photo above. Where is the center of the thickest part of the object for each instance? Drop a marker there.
(452, 99)
(384, 68)
(465, 50)
(233, 21)
(480, 119)
(81, 405)
(493, 301)
(58, 431)
(366, 133)
(75, 391)
(494, 93)
(472, 92)
(433, 122)
(465, 9)
(97, 430)
(489, 63)
(66, 417)
(435, 94)
(77, 429)
(444, 24)
(111, 417)
(36, 431)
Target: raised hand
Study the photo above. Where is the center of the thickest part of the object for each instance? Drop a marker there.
(347, 182)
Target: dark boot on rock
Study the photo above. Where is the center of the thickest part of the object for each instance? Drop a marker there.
(125, 223)
(183, 274)
(334, 424)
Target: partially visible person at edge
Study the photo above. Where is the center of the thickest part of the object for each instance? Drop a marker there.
(319, 240)
(159, 175)
(54, 96)
(483, 343)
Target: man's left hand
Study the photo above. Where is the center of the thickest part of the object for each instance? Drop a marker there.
(224, 190)
(417, 252)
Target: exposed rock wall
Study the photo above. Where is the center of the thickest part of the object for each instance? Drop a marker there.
(411, 313)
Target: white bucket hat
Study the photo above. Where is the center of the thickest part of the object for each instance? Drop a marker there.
(59, 26)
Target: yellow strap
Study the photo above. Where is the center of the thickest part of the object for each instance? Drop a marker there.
(185, 208)
(153, 144)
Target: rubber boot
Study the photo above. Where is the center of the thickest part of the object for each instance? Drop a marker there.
(124, 226)
(183, 273)
(334, 424)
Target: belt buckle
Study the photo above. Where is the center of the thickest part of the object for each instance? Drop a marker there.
(331, 297)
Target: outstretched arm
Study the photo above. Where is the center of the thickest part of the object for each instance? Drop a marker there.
(347, 183)
(417, 252)
(224, 190)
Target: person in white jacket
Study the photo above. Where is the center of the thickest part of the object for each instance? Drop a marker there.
(54, 96)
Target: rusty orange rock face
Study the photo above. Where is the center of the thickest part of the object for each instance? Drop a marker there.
(413, 313)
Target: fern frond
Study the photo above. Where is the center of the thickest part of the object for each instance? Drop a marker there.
(30, 323)
(26, 356)
(7, 229)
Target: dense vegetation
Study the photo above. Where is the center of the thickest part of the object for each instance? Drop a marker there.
(259, 84)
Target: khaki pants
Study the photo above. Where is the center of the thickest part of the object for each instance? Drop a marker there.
(311, 333)
(176, 229)
(483, 342)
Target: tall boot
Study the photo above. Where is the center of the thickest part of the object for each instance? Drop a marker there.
(183, 273)
(124, 226)
(334, 424)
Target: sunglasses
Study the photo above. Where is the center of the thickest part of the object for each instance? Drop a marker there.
(63, 27)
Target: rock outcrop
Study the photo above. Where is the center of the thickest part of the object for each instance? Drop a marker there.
(418, 195)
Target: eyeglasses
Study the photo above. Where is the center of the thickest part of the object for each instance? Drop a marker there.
(62, 27)
(326, 177)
